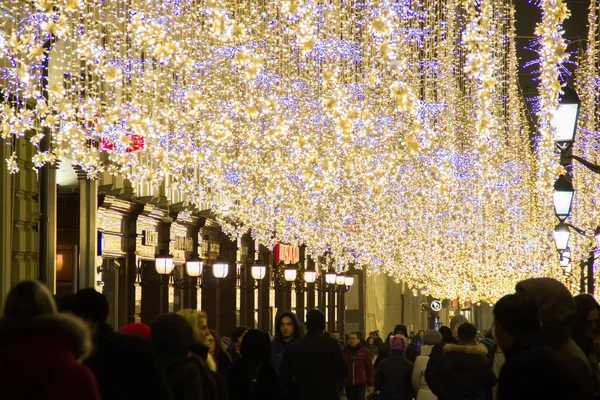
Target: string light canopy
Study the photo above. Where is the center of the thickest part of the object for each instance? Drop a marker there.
(390, 134)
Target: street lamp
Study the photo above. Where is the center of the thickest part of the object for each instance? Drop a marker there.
(563, 197)
(561, 236)
(340, 280)
(194, 266)
(565, 117)
(220, 270)
(310, 276)
(163, 263)
(258, 272)
(330, 278)
(349, 281)
(597, 236)
(289, 274)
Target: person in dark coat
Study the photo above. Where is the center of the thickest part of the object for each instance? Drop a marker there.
(313, 364)
(253, 377)
(464, 371)
(393, 377)
(236, 342)
(435, 358)
(287, 332)
(556, 311)
(124, 365)
(172, 338)
(532, 369)
(41, 350)
(360, 369)
(585, 330)
(220, 354)
(384, 350)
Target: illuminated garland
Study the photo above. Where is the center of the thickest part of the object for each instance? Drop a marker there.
(279, 276)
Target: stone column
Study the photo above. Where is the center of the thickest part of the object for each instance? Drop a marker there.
(88, 232)
(48, 200)
(6, 223)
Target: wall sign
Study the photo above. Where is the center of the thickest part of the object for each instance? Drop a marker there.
(287, 254)
(183, 243)
(150, 238)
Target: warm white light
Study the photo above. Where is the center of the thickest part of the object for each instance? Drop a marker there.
(221, 270)
(289, 274)
(310, 276)
(194, 267)
(349, 280)
(340, 280)
(330, 278)
(567, 268)
(164, 264)
(258, 272)
(597, 236)
(561, 236)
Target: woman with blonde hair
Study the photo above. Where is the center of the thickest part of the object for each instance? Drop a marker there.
(40, 350)
(214, 384)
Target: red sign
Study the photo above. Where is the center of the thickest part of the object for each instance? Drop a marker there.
(287, 254)
(136, 143)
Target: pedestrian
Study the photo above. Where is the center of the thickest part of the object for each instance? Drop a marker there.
(557, 311)
(236, 341)
(585, 331)
(287, 332)
(495, 355)
(533, 370)
(313, 364)
(360, 369)
(212, 384)
(392, 379)
(384, 351)
(253, 376)
(219, 354)
(435, 357)
(371, 347)
(464, 371)
(137, 328)
(419, 383)
(125, 366)
(41, 351)
(172, 337)
(418, 341)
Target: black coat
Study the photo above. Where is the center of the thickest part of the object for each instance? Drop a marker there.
(311, 368)
(125, 367)
(464, 373)
(393, 379)
(185, 379)
(252, 380)
(534, 371)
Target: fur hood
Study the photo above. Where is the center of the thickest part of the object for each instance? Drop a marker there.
(68, 328)
(477, 349)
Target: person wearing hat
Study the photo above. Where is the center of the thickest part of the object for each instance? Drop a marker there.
(393, 376)
(419, 384)
(313, 364)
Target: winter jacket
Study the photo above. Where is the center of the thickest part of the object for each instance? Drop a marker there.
(534, 371)
(412, 352)
(311, 367)
(419, 383)
(392, 378)
(278, 345)
(360, 366)
(555, 306)
(39, 359)
(126, 366)
(251, 380)
(464, 373)
(435, 359)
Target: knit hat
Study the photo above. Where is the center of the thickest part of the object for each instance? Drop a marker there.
(456, 320)
(398, 342)
(432, 337)
(137, 329)
(401, 329)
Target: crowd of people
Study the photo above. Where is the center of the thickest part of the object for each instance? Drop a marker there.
(543, 345)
